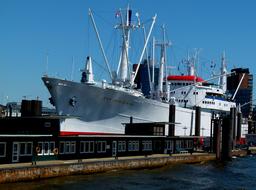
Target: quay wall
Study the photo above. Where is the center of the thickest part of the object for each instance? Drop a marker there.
(36, 172)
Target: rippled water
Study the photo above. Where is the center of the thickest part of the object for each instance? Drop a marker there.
(238, 174)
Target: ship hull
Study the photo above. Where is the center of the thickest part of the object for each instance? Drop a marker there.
(94, 109)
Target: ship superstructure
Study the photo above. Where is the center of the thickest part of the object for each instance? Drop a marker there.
(191, 90)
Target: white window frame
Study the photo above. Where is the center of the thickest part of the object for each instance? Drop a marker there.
(69, 147)
(158, 131)
(46, 152)
(41, 146)
(26, 148)
(87, 143)
(101, 146)
(121, 146)
(133, 146)
(147, 145)
(50, 148)
(72, 147)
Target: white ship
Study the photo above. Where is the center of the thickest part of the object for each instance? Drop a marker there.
(190, 90)
(99, 107)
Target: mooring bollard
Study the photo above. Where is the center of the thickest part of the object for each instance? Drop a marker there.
(239, 124)
(227, 139)
(233, 126)
(216, 137)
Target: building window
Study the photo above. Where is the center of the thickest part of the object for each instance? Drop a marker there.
(73, 147)
(52, 147)
(188, 144)
(22, 149)
(169, 145)
(178, 144)
(29, 148)
(62, 146)
(87, 146)
(67, 147)
(146, 145)
(121, 146)
(2, 149)
(46, 148)
(133, 146)
(26, 148)
(158, 131)
(101, 146)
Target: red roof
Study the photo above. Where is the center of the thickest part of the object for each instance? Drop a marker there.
(185, 78)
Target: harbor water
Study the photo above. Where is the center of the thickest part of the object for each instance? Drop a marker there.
(238, 174)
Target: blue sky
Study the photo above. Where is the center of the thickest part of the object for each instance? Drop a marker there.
(32, 29)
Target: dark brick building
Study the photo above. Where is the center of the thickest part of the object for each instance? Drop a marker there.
(245, 92)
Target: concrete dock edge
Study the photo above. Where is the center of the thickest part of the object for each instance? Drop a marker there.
(29, 173)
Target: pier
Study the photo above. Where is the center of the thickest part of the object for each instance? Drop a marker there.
(56, 168)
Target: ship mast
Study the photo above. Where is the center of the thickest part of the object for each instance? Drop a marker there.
(125, 26)
(191, 66)
(162, 64)
(223, 72)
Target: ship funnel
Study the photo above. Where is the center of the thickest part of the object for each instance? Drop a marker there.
(87, 75)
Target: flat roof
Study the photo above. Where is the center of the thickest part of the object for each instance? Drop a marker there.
(23, 135)
(131, 136)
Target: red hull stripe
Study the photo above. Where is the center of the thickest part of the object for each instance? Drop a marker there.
(185, 78)
(72, 133)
